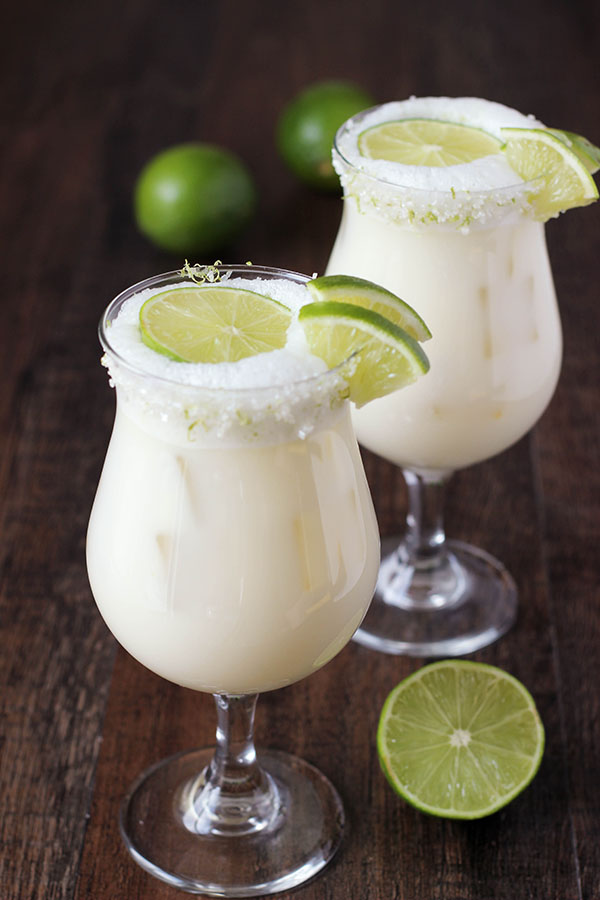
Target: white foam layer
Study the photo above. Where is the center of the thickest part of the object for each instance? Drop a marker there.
(280, 395)
(292, 363)
(476, 194)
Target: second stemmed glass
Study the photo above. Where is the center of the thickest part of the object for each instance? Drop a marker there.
(485, 290)
(232, 549)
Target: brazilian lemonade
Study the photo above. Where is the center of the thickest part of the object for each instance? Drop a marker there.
(232, 545)
(445, 202)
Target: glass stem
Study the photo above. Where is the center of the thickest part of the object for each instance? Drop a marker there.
(425, 537)
(233, 795)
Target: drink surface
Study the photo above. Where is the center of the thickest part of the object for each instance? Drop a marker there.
(474, 264)
(232, 546)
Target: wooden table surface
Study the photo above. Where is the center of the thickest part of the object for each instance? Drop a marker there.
(89, 91)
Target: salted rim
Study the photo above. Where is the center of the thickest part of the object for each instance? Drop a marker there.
(175, 276)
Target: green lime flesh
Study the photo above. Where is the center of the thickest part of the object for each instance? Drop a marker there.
(460, 739)
(213, 324)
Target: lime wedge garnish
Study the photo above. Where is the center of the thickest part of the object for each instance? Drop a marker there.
(348, 289)
(460, 739)
(587, 152)
(213, 324)
(426, 142)
(385, 357)
(565, 182)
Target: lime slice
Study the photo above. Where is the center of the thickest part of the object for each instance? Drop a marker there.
(347, 289)
(213, 324)
(587, 152)
(460, 739)
(384, 356)
(565, 182)
(426, 142)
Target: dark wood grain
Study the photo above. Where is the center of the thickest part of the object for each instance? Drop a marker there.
(89, 92)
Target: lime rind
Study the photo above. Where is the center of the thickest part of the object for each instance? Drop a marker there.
(370, 322)
(564, 180)
(155, 345)
(307, 126)
(194, 198)
(213, 323)
(475, 783)
(587, 152)
(359, 291)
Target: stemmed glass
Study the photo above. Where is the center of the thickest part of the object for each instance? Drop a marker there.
(232, 548)
(487, 295)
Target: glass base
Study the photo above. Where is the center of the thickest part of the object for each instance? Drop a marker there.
(301, 837)
(464, 602)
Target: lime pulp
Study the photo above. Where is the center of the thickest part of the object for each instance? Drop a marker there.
(213, 323)
(460, 739)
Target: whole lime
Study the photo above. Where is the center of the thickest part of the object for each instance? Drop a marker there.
(193, 198)
(307, 127)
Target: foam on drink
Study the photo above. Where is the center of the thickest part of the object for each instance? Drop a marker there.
(279, 394)
(460, 197)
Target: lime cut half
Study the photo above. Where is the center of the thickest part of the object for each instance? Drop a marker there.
(381, 356)
(213, 324)
(426, 142)
(564, 179)
(460, 739)
(348, 289)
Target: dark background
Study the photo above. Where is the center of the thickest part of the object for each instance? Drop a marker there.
(88, 92)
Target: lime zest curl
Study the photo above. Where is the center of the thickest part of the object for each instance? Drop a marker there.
(200, 274)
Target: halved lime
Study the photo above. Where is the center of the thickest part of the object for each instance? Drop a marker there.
(460, 739)
(565, 182)
(385, 357)
(359, 291)
(213, 324)
(587, 152)
(426, 142)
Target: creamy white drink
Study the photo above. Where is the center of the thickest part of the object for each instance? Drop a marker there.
(435, 211)
(460, 245)
(232, 546)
